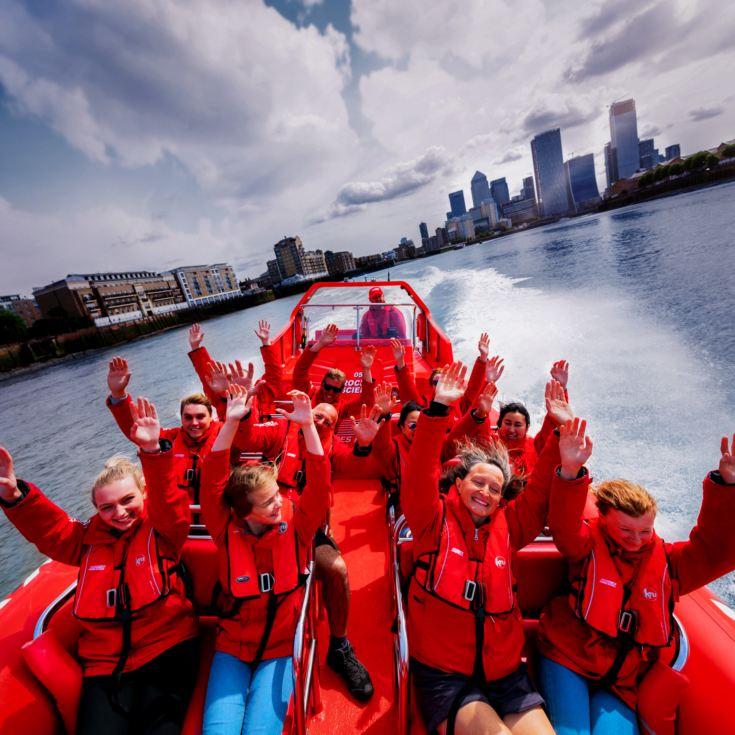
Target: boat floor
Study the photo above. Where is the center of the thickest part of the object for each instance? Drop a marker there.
(359, 527)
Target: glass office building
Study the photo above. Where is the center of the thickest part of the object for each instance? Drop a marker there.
(582, 181)
(548, 170)
(624, 138)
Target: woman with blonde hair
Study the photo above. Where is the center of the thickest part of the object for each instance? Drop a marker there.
(138, 643)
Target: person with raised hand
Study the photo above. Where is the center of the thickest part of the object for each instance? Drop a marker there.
(263, 543)
(137, 645)
(272, 390)
(603, 644)
(464, 627)
(332, 385)
(477, 422)
(191, 441)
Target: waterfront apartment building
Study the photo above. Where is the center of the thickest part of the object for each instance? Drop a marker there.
(111, 298)
(520, 210)
(289, 256)
(672, 152)
(548, 170)
(624, 138)
(207, 284)
(26, 309)
(582, 182)
(456, 204)
(499, 192)
(480, 189)
(339, 263)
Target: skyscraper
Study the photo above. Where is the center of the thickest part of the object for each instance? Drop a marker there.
(548, 170)
(649, 155)
(528, 191)
(499, 191)
(581, 181)
(424, 230)
(611, 166)
(480, 189)
(456, 203)
(673, 151)
(624, 138)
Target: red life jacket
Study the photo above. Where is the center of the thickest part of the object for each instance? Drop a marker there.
(290, 465)
(239, 574)
(451, 576)
(643, 609)
(106, 592)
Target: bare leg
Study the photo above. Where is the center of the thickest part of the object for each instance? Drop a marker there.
(476, 718)
(332, 571)
(531, 722)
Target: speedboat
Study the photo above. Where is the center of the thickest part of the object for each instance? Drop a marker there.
(40, 679)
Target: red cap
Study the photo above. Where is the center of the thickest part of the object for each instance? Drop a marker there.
(375, 293)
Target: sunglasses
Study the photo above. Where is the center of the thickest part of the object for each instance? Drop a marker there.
(411, 425)
(332, 388)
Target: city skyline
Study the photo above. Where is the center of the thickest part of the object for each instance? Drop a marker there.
(203, 136)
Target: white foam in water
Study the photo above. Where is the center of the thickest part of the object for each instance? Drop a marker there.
(635, 380)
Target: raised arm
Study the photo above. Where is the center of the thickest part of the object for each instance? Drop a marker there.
(475, 422)
(40, 521)
(118, 401)
(168, 504)
(420, 487)
(301, 379)
(710, 551)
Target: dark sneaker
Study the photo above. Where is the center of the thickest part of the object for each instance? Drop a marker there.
(344, 662)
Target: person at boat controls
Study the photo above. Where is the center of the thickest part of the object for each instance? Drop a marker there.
(263, 545)
(332, 385)
(284, 441)
(465, 630)
(191, 441)
(138, 632)
(381, 320)
(604, 645)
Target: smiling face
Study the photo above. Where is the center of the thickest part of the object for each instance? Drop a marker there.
(195, 420)
(119, 503)
(409, 426)
(513, 427)
(331, 389)
(267, 502)
(628, 532)
(481, 490)
(325, 419)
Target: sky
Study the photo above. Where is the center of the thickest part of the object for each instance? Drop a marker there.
(150, 134)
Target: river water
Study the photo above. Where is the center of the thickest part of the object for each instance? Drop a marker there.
(641, 301)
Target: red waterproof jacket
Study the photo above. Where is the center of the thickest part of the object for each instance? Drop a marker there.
(241, 634)
(708, 554)
(187, 453)
(346, 406)
(157, 626)
(441, 635)
(382, 321)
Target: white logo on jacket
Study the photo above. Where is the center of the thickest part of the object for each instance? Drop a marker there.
(650, 594)
(500, 562)
(139, 560)
(608, 582)
(97, 568)
(457, 551)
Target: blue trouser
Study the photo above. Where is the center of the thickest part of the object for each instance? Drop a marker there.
(575, 708)
(240, 701)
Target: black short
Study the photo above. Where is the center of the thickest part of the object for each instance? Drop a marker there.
(321, 538)
(436, 690)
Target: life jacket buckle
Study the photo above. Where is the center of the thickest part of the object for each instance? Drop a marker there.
(111, 595)
(627, 622)
(470, 590)
(266, 581)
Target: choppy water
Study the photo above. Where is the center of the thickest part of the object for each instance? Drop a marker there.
(640, 301)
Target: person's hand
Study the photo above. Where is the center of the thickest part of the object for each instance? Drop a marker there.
(366, 427)
(218, 378)
(196, 335)
(485, 400)
(727, 461)
(146, 429)
(238, 403)
(494, 369)
(557, 405)
(8, 484)
(399, 354)
(118, 377)
(574, 447)
(383, 399)
(560, 372)
(263, 332)
(452, 384)
(242, 377)
(367, 357)
(301, 413)
(483, 346)
(326, 337)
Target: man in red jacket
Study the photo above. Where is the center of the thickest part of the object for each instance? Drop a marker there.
(191, 441)
(381, 321)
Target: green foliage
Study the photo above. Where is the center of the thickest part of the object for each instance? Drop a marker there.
(729, 151)
(12, 327)
(661, 173)
(712, 160)
(647, 179)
